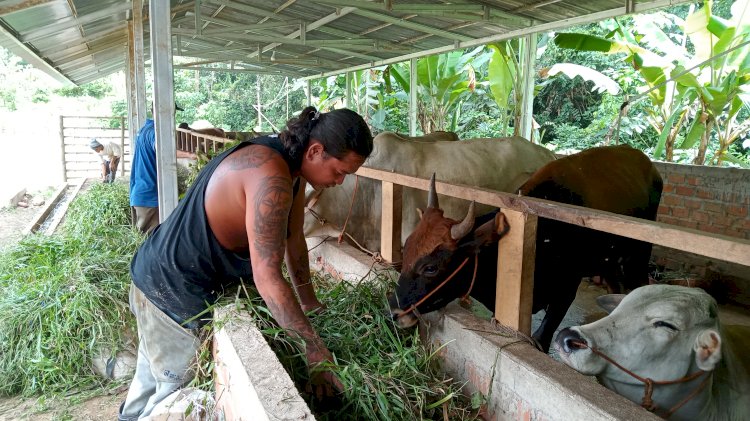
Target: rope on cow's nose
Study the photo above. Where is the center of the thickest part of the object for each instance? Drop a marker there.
(647, 401)
(414, 306)
(351, 205)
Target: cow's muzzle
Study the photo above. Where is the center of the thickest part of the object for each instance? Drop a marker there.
(569, 341)
(403, 319)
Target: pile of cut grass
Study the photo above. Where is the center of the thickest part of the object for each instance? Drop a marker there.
(388, 373)
(63, 298)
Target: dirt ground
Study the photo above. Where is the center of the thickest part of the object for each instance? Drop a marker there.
(98, 408)
(13, 220)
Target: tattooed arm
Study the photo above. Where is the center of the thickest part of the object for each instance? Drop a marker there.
(268, 203)
(297, 254)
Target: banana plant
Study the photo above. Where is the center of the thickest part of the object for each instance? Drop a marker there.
(443, 82)
(698, 80)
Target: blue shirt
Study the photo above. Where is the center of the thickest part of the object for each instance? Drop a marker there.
(143, 187)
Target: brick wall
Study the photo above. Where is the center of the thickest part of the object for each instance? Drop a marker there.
(713, 200)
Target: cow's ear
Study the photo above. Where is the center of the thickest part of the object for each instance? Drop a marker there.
(609, 302)
(490, 232)
(707, 349)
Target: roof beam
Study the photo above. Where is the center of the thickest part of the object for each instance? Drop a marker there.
(312, 26)
(218, 69)
(245, 8)
(33, 58)
(550, 26)
(74, 21)
(238, 28)
(12, 6)
(412, 25)
(97, 49)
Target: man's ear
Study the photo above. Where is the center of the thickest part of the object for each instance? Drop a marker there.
(707, 349)
(314, 149)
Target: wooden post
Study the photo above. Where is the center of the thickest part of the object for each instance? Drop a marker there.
(122, 146)
(62, 149)
(515, 272)
(390, 229)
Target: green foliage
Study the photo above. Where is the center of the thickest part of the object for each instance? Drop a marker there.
(40, 96)
(697, 104)
(388, 373)
(118, 107)
(97, 89)
(63, 298)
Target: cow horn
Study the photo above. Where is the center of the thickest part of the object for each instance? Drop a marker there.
(460, 230)
(432, 200)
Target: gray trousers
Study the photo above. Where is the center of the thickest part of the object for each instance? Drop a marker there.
(144, 218)
(166, 352)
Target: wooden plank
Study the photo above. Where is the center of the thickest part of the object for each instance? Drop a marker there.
(515, 272)
(390, 229)
(711, 245)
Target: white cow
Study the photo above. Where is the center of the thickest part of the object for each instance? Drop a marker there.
(668, 334)
(502, 164)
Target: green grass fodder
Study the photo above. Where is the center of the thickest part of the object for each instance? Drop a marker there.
(63, 298)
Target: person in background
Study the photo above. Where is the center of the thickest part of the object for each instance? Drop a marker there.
(241, 219)
(109, 153)
(144, 194)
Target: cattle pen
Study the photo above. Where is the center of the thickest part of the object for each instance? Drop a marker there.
(524, 383)
(518, 381)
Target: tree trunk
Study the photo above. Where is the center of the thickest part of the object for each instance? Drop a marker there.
(700, 159)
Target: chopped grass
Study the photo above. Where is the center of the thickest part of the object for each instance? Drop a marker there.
(388, 373)
(63, 298)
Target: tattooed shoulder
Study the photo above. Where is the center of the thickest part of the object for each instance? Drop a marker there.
(273, 201)
(250, 157)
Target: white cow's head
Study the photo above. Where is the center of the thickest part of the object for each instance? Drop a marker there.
(661, 332)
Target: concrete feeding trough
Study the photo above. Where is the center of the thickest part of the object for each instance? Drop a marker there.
(518, 381)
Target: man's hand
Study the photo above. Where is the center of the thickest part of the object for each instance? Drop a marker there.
(323, 383)
(313, 306)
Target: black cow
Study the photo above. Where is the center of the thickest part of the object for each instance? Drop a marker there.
(617, 179)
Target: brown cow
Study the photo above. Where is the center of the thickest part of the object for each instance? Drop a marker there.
(617, 179)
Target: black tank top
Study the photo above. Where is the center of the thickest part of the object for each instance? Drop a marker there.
(181, 267)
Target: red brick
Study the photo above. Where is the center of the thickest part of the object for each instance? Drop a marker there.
(668, 188)
(693, 181)
(685, 191)
(737, 210)
(687, 223)
(700, 216)
(710, 228)
(705, 194)
(671, 200)
(681, 213)
(747, 224)
(663, 210)
(676, 178)
(667, 220)
(713, 207)
(693, 203)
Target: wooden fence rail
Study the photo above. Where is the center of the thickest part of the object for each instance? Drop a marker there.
(193, 142)
(516, 253)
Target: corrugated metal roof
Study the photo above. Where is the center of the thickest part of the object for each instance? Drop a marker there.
(82, 40)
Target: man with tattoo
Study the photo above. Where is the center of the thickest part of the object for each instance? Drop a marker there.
(241, 219)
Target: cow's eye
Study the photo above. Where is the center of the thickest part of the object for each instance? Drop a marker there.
(429, 270)
(669, 326)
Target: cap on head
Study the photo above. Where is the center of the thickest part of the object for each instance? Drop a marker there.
(94, 144)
